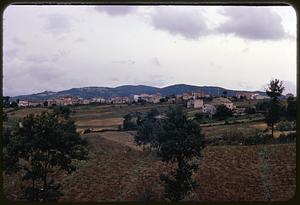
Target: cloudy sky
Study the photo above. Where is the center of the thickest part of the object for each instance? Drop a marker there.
(60, 47)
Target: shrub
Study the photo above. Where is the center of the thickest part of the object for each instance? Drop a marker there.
(290, 137)
(285, 126)
(86, 131)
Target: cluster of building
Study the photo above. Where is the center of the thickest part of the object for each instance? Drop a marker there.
(192, 100)
(210, 108)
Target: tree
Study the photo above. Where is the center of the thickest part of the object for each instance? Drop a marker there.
(63, 111)
(148, 129)
(14, 104)
(5, 101)
(250, 110)
(274, 91)
(40, 145)
(131, 121)
(223, 112)
(45, 103)
(177, 140)
(262, 106)
(199, 117)
(291, 110)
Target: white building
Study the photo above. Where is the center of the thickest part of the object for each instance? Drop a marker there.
(259, 97)
(209, 109)
(197, 103)
(136, 98)
(23, 103)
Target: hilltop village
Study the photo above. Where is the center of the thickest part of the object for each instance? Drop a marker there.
(205, 103)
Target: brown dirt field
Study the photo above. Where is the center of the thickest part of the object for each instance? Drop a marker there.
(259, 125)
(235, 173)
(117, 172)
(26, 111)
(100, 122)
(124, 138)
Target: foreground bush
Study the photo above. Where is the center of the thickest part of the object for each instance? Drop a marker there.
(285, 126)
(236, 138)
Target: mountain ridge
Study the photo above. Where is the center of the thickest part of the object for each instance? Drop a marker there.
(127, 90)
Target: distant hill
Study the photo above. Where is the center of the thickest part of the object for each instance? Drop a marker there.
(127, 90)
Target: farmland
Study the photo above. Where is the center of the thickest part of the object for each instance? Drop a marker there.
(118, 170)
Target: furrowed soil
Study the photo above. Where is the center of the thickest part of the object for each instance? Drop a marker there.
(119, 171)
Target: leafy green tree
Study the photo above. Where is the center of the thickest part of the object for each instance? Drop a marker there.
(5, 101)
(223, 112)
(274, 91)
(132, 121)
(177, 140)
(250, 110)
(40, 145)
(148, 129)
(199, 117)
(14, 104)
(62, 110)
(128, 123)
(262, 106)
(45, 103)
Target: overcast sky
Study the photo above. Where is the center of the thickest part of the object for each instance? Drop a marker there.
(61, 47)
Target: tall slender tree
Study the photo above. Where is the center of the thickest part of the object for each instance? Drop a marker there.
(178, 140)
(274, 91)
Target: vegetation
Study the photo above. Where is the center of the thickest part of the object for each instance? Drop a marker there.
(223, 112)
(274, 91)
(285, 126)
(238, 138)
(178, 141)
(291, 110)
(131, 121)
(63, 111)
(250, 110)
(262, 106)
(40, 145)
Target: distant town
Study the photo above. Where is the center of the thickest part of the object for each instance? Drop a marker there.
(199, 100)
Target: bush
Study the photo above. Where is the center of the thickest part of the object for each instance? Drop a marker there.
(250, 110)
(285, 126)
(223, 112)
(199, 117)
(120, 127)
(86, 131)
(290, 137)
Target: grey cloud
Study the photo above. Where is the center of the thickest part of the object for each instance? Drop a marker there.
(245, 50)
(59, 55)
(154, 80)
(44, 72)
(57, 23)
(116, 10)
(10, 53)
(245, 85)
(215, 66)
(79, 40)
(289, 87)
(115, 79)
(255, 23)
(129, 62)
(188, 23)
(156, 62)
(18, 41)
(37, 59)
